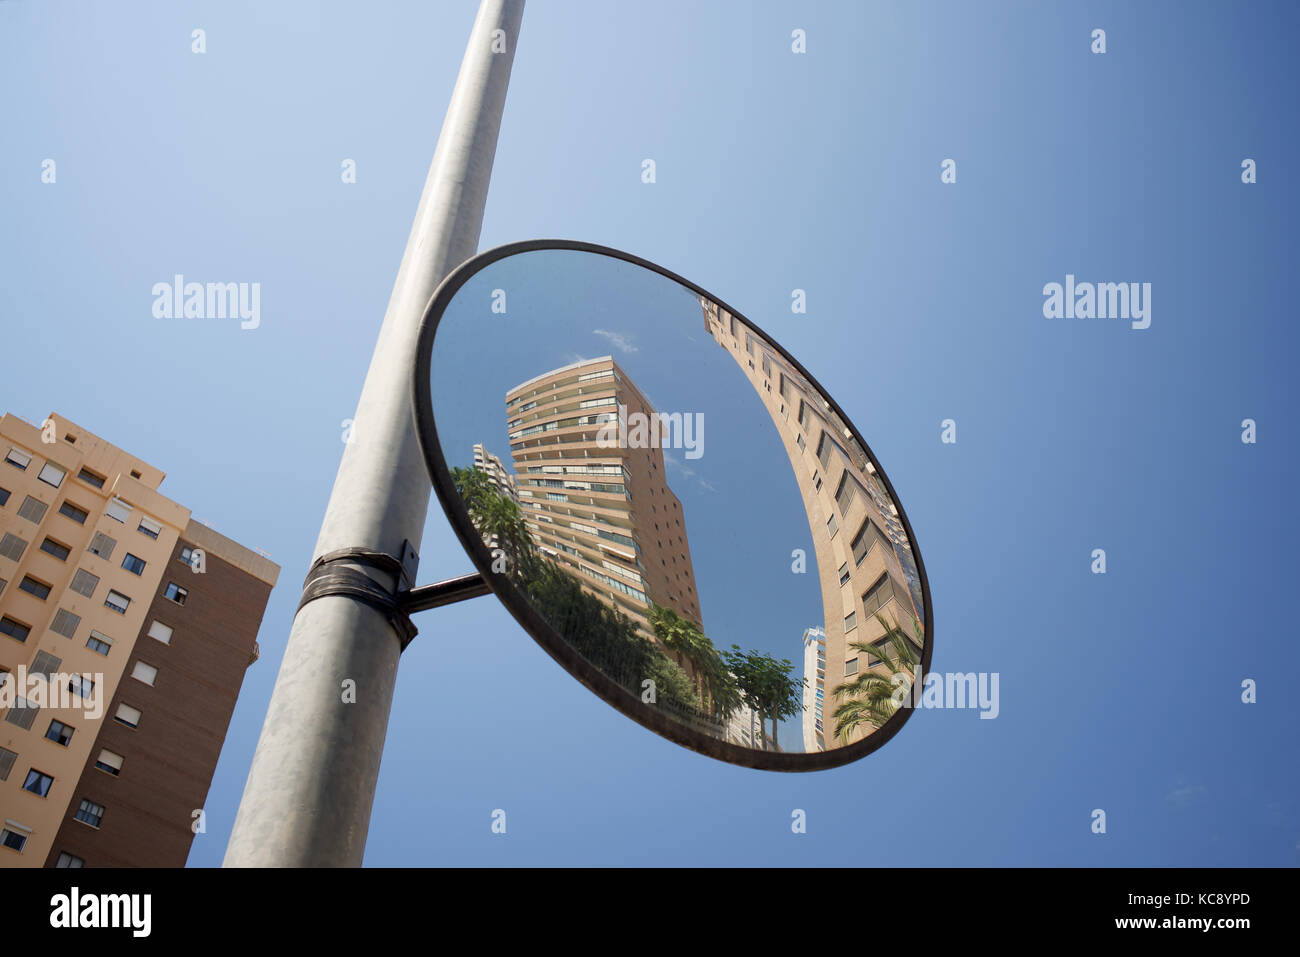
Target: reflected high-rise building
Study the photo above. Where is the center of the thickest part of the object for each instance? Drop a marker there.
(864, 560)
(814, 689)
(601, 510)
(498, 475)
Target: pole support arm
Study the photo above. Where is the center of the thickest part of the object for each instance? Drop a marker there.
(336, 573)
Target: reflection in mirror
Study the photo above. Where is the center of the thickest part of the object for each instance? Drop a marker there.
(677, 502)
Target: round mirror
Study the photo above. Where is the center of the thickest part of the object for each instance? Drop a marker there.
(671, 505)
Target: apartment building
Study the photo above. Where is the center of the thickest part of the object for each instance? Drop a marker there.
(602, 510)
(865, 563)
(814, 690)
(125, 630)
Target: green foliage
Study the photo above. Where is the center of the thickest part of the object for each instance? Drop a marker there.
(765, 684)
(717, 689)
(498, 519)
(607, 638)
(611, 642)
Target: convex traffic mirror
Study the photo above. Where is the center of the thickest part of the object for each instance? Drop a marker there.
(671, 505)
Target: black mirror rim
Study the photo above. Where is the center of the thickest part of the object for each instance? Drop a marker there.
(589, 675)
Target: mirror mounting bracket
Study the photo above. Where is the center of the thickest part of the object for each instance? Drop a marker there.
(328, 577)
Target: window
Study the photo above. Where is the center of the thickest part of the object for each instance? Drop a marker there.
(45, 664)
(851, 667)
(186, 556)
(69, 860)
(133, 564)
(91, 478)
(148, 527)
(832, 526)
(850, 621)
(160, 632)
(109, 762)
(57, 549)
(84, 583)
(14, 629)
(34, 587)
(4, 496)
(51, 474)
(127, 715)
(144, 672)
(59, 733)
(118, 510)
(13, 837)
(65, 623)
(38, 782)
(32, 509)
(90, 813)
(7, 759)
(22, 713)
(99, 643)
(844, 574)
(877, 657)
(844, 494)
(799, 439)
(176, 593)
(18, 459)
(866, 539)
(117, 601)
(102, 545)
(879, 593)
(74, 512)
(12, 547)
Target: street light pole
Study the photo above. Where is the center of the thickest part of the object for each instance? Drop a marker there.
(311, 787)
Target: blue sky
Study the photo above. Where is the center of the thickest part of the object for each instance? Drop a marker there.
(775, 171)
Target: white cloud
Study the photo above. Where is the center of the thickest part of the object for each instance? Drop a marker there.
(619, 341)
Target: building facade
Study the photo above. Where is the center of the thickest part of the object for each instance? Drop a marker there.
(125, 631)
(814, 690)
(497, 473)
(864, 560)
(601, 509)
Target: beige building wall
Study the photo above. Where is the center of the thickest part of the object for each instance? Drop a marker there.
(857, 536)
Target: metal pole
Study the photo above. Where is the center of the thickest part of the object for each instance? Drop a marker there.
(310, 790)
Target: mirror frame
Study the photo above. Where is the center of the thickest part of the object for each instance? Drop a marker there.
(542, 632)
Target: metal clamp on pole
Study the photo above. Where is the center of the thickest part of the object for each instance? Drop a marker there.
(323, 580)
(327, 577)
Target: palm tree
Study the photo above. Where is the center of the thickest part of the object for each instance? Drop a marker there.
(498, 519)
(713, 683)
(872, 697)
